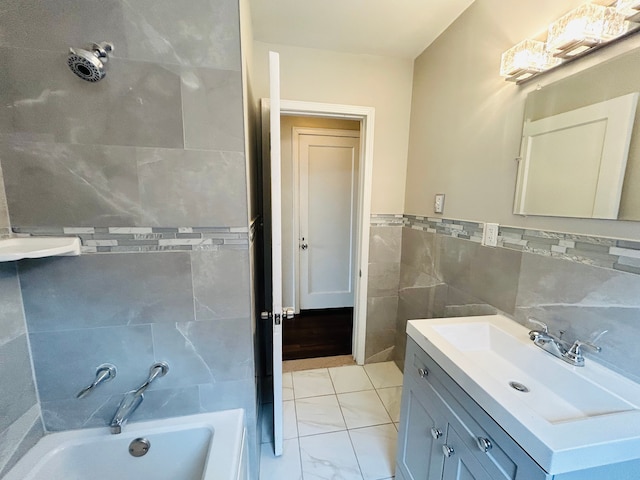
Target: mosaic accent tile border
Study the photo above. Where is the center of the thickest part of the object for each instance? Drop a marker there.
(611, 253)
(148, 239)
(387, 220)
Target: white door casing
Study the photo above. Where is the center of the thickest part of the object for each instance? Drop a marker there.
(328, 171)
(366, 116)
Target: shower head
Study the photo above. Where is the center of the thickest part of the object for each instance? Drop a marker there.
(89, 64)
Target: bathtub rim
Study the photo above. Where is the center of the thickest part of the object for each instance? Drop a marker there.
(227, 442)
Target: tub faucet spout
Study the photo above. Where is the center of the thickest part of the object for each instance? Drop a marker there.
(132, 400)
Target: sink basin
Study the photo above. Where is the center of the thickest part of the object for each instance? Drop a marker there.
(556, 394)
(563, 416)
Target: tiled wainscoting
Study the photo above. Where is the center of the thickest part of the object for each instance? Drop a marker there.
(579, 284)
(338, 423)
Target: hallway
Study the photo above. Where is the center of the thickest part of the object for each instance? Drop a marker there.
(338, 423)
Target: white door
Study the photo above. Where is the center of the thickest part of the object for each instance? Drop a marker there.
(328, 169)
(276, 246)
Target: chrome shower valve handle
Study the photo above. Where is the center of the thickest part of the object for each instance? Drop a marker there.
(104, 373)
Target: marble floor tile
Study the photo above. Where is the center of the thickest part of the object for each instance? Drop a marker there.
(312, 383)
(350, 379)
(385, 374)
(285, 467)
(363, 409)
(329, 456)
(319, 415)
(391, 399)
(287, 386)
(375, 449)
(290, 425)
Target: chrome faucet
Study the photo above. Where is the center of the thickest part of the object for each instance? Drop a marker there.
(134, 398)
(558, 347)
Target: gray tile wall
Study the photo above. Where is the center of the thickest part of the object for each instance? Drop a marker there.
(145, 162)
(382, 293)
(20, 421)
(445, 272)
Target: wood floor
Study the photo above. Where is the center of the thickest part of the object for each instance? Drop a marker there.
(317, 333)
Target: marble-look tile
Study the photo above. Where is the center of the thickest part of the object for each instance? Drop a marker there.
(329, 456)
(222, 350)
(412, 276)
(583, 301)
(226, 395)
(384, 374)
(385, 244)
(168, 402)
(61, 184)
(362, 409)
(494, 276)
(312, 383)
(203, 33)
(385, 355)
(104, 290)
(319, 415)
(289, 420)
(19, 437)
(212, 108)
(419, 250)
(383, 279)
(375, 449)
(17, 391)
(221, 284)
(12, 322)
(138, 104)
(80, 352)
(95, 410)
(351, 378)
(188, 187)
(285, 467)
(391, 398)
(287, 386)
(55, 25)
(5, 225)
(381, 324)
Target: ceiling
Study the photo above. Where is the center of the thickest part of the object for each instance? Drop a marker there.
(392, 28)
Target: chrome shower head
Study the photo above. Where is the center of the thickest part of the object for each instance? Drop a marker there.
(89, 64)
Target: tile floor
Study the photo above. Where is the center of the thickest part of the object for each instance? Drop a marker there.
(339, 424)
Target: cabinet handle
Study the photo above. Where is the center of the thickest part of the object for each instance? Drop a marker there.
(448, 451)
(484, 444)
(423, 372)
(436, 433)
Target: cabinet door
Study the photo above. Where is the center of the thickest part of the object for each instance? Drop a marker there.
(461, 464)
(422, 434)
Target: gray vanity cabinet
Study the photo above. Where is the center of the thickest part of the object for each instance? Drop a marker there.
(445, 435)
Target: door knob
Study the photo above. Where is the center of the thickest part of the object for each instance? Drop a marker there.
(484, 444)
(288, 313)
(436, 433)
(304, 246)
(448, 451)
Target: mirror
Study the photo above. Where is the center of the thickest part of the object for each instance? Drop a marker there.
(580, 153)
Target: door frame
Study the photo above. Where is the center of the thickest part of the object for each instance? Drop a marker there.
(295, 168)
(366, 117)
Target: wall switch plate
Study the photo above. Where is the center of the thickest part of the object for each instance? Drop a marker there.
(438, 203)
(490, 234)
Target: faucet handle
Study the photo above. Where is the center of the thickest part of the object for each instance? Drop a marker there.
(535, 321)
(104, 373)
(574, 355)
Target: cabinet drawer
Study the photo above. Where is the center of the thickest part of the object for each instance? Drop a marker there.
(493, 448)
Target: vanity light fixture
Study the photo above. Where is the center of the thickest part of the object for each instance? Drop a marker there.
(583, 28)
(630, 9)
(525, 60)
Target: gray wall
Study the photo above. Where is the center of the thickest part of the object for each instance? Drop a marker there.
(159, 144)
(461, 278)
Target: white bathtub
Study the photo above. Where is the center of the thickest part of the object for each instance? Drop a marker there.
(208, 446)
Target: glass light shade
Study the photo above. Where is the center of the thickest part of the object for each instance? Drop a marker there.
(630, 9)
(584, 27)
(525, 59)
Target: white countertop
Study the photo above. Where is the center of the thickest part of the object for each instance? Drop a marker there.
(602, 428)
